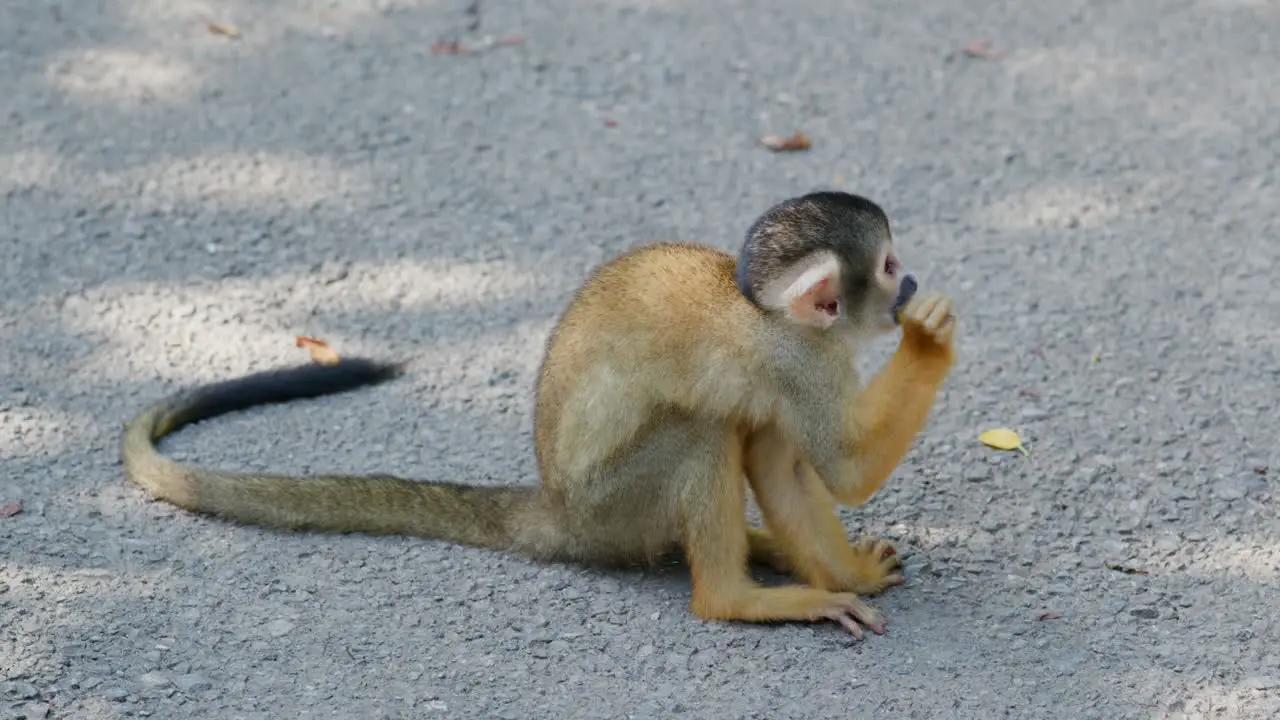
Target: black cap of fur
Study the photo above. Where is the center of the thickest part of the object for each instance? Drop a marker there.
(850, 226)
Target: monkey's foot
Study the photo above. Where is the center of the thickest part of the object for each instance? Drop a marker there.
(765, 550)
(788, 603)
(874, 566)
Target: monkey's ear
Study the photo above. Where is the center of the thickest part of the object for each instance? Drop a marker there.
(813, 298)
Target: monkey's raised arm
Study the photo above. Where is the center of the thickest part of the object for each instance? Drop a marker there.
(884, 420)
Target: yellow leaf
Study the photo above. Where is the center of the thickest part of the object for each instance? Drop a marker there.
(224, 29)
(1003, 439)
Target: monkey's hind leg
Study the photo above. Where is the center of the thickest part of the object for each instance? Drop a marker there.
(804, 532)
(764, 549)
(714, 533)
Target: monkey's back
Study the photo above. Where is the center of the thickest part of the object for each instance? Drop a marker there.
(661, 327)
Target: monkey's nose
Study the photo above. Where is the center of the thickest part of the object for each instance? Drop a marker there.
(906, 288)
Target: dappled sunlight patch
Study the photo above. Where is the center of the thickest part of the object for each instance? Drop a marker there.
(27, 169)
(219, 327)
(196, 14)
(1078, 70)
(1113, 82)
(41, 432)
(243, 179)
(122, 76)
(1163, 554)
(427, 284)
(1256, 691)
(1252, 558)
(927, 537)
(30, 579)
(188, 333)
(232, 180)
(258, 23)
(1054, 207)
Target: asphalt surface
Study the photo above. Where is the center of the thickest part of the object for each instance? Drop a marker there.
(1101, 198)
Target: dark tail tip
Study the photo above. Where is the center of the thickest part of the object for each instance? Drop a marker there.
(282, 385)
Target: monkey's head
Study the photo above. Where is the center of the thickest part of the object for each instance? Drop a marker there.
(825, 260)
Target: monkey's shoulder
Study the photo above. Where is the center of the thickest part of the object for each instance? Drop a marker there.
(665, 310)
(683, 282)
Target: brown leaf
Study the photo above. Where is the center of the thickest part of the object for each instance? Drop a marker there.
(1126, 569)
(798, 141)
(224, 29)
(1048, 616)
(453, 47)
(981, 48)
(10, 509)
(448, 48)
(1261, 470)
(321, 353)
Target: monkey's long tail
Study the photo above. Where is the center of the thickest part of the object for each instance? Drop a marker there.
(503, 518)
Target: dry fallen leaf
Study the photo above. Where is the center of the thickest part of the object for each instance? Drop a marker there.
(1002, 439)
(448, 48)
(1126, 569)
(981, 48)
(453, 47)
(321, 353)
(10, 509)
(1048, 616)
(224, 29)
(798, 141)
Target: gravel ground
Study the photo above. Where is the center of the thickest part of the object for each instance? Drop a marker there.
(1101, 199)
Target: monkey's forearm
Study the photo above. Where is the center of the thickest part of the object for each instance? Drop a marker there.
(890, 412)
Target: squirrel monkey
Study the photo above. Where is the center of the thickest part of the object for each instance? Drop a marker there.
(676, 376)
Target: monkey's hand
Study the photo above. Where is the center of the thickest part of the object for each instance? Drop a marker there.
(928, 327)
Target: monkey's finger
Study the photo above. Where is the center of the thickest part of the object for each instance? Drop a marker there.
(946, 331)
(921, 310)
(917, 305)
(938, 314)
(854, 629)
(894, 580)
(868, 616)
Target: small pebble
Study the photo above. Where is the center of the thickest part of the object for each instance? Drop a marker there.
(192, 683)
(154, 679)
(35, 711)
(117, 694)
(1033, 413)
